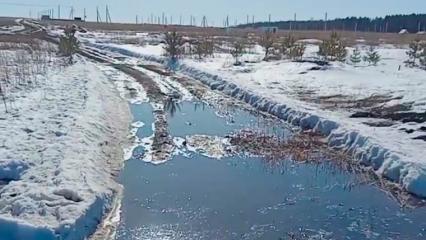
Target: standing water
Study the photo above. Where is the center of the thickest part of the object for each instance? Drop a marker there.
(196, 197)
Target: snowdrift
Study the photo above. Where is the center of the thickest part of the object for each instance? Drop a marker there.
(61, 149)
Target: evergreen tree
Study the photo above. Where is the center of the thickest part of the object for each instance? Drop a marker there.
(422, 56)
(414, 53)
(355, 57)
(391, 24)
(372, 56)
(333, 49)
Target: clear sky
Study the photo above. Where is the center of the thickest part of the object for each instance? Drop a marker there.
(216, 10)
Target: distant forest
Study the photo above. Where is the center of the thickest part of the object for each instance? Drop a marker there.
(393, 23)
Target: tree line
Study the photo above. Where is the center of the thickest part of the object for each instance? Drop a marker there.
(413, 23)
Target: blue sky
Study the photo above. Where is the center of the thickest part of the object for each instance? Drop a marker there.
(216, 10)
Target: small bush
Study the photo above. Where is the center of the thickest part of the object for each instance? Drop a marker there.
(286, 45)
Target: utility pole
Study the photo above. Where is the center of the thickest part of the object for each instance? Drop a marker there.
(137, 20)
(204, 22)
(72, 13)
(162, 19)
(107, 15)
(85, 15)
(295, 20)
(59, 11)
(269, 18)
(180, 20)
(325, 22)
(252, 20)
(247, 19)
(98, 15)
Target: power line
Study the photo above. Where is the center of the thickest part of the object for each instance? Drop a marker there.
(24, 4)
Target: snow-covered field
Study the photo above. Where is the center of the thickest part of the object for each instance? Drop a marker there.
(60, 150)
(12, 29)
(293, 92)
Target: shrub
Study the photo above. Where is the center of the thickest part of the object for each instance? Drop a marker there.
(297, 51)
(174, 47)
(333, 49)
(286, 45)
(68, 44)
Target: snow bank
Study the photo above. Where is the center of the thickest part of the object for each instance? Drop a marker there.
(61, 152)
(394, 164)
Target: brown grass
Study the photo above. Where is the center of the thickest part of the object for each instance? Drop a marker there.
(349, 36)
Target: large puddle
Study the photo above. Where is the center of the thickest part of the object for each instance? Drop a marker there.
(196, 197)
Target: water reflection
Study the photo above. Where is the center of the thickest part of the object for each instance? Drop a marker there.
(172, 105)
(244, 197)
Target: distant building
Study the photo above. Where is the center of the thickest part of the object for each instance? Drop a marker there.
(270, 29)
(48, 18)
(45, 17)
(403, 31)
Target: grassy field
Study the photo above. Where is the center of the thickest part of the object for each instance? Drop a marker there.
(349, 36)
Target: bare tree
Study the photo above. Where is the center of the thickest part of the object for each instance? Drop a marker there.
(297, 51)
(174, 45)
(68, 44)
(203, 48)
(3, 97)
(267, 41)
(286, 45)
(237, 50)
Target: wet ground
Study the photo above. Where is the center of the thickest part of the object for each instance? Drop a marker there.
(195, 197)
